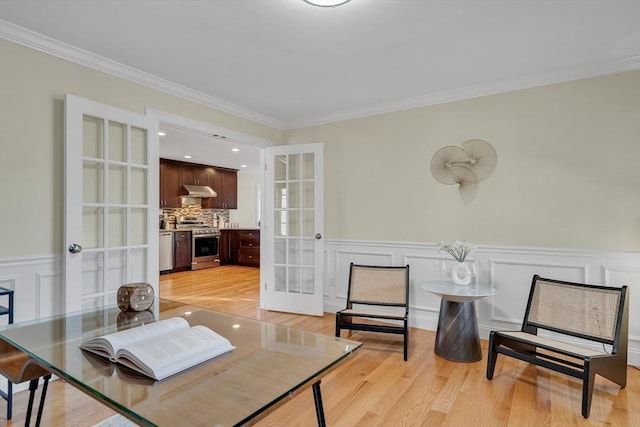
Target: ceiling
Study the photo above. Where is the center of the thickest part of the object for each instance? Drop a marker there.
(287, 64)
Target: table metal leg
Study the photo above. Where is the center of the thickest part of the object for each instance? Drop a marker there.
(317, 397)
(457, 336)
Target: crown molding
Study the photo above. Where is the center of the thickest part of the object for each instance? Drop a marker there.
(48, 45)
(526, 82)
(20, 35)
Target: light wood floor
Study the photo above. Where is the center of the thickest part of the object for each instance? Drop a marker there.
(376, 387)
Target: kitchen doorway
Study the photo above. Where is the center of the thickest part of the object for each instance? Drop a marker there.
(210, 145)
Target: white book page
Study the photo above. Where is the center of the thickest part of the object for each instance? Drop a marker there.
(175, 351)
(113, 342)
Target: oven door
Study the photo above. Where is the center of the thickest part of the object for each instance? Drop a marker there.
(204, 250)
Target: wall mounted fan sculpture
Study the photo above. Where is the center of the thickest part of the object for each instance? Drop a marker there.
(466, 166)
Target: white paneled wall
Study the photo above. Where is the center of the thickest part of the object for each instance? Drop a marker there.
(39, 292)
(509, 269)
(37, 285)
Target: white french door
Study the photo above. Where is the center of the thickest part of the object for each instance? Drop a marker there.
(111, 202)
(292, 226)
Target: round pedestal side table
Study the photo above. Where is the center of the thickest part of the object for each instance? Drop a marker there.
(457, 336)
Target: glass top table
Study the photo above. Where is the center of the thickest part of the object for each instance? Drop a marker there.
(269, 364)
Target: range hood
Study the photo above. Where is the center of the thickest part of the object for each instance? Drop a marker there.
(201, 191)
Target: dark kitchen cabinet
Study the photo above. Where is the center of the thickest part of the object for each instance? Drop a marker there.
(170, 184)
(228, 246)
(249, 247)
(182, 250)
(225, 183)
(240, 247)
(175, 174)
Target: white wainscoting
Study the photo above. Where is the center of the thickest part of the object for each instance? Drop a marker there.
(37, 285)
(508, 269)
(39, 291)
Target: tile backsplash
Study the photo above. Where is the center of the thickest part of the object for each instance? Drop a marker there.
(210, 215)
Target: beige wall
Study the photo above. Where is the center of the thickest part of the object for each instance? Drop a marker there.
(32, 89)
(245, 215)
(568, 172)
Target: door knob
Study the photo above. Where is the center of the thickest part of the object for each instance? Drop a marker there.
(75, 248)
(318, 236)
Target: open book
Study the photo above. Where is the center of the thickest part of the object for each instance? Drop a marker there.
(160, 349)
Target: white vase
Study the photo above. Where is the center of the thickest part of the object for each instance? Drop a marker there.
(460, 273)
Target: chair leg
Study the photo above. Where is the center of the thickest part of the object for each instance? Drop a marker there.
(492, 356)
(587, 389)
(9, 399)
(42, 398)
(338, 325)
(406, 342)
(33, 386)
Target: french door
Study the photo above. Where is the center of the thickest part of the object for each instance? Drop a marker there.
(293, 252)
(111, 202)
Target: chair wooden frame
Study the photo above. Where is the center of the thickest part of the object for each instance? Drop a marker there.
(372, 291)
(18, 367)
(598, 314)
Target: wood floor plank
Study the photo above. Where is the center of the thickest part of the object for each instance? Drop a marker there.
(376, 387)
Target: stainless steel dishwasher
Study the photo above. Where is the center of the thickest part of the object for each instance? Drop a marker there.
(166, 251)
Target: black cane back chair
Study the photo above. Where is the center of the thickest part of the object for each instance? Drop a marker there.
(597, 314)
(377, 300)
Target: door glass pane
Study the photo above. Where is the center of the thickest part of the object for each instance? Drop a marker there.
(293, 223)
(280, 276)
(117, 261)
(280, 195)
(280, 226)
(92, 227)
(92, 137)
(308, 252)
(280, 252)
(308, 171)
(117, 142)
(293, 195)
(139, 146)
(138, 186)
(308, 195)
(139, 226)
(293, 280)
(117, 227)
(92, 182)
(280, 168)
(92, 273)
(117, 185)
(138, 265)
(308, 225)
(294, 166)
(306, 277)
(294, 252)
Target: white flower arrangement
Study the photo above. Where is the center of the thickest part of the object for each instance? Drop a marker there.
(458, 249)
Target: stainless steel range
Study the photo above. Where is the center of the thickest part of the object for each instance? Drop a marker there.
(205, 242)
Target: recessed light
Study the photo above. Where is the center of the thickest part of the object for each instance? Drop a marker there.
(243, 166)
(235, 149)
(161, 133)
(187, 156)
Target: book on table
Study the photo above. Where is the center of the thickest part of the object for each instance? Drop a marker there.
(160, 349)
